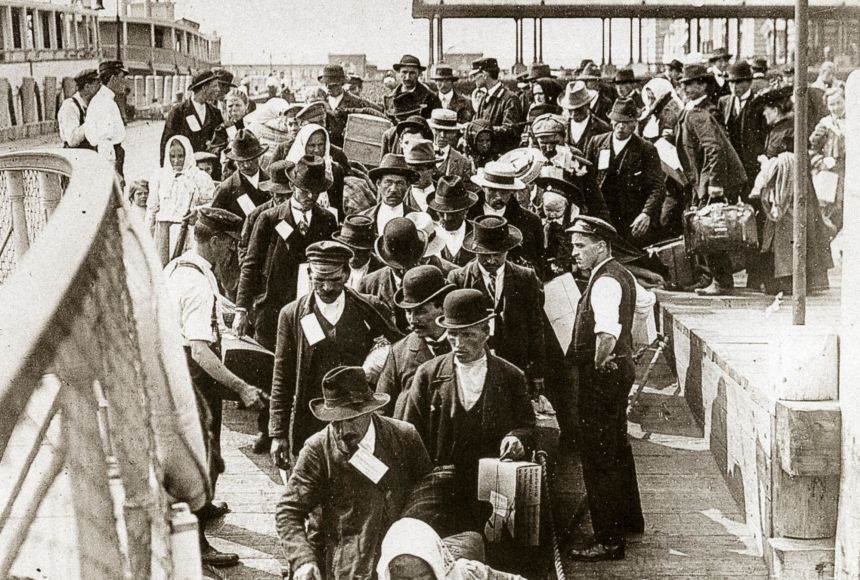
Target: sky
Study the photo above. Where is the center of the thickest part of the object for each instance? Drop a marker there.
(306, 31)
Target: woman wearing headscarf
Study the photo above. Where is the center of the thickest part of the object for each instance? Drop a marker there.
(412, 550)
(175, 189)
(313, 139)
(268, 123)
(479, 143)
(663, 108)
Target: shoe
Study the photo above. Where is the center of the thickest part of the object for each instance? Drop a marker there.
(597, 552)
(213, 557)
(715, 289)
(262, 444)
(213, 510)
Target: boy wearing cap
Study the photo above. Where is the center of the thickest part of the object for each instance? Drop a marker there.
(197, 117)
(73, 111)
(104, 127)
(356, 472)
(500, 107)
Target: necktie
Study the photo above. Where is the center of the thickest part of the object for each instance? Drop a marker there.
(303, 225)
(438, 347)
(491, 287)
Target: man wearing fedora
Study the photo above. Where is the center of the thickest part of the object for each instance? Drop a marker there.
(329, 327)
(279, 193)
(469, 403)
(342, 102)
(515, 294)
(358, 234)
(412, 127)
(352, 479)
(582, 123)
(408, 70)
(535, 72)
(446, 134)
(420, 155)
(500, 107)
(421, 296)
(498, 182)
(627, 87)
(450, 203)
(673, 71)
(393, 179)
(240, 193)
(628, 172)
(399, 108)
(197, 117)
(713, 168)
(104, 127)
(603, 369)
(451, 99)
(603, 95)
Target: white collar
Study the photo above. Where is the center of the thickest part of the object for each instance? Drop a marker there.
(332, 312)
(471, 378)
(386, 214)
(453, 240)
(492, 211)
(618, 145)
(498, 275)
(334, 102)
(597, 268)
(496, 88)
(252, 179)
(368, 442)
(299, 214)
(470, 365)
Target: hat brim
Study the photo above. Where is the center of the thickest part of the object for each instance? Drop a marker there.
(433, 161)
(464, 203)
(685, 80)
(588, 78)
(318, 188)
(541, 77)
(514, 239)
(455, 127)
(332, 80)
(619, 118)
(441, 321)
(389, 260)
(200, 83)
(274, 186)
(345, 412)
(410, 174)
(560, 185)
(400, 65)
(400, 303)
(569, 105)
(720, 57)
(517, 185)
(444, 78)
(259, 153)
(403, 125)
(338, 238)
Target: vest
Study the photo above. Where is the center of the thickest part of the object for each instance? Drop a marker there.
(584, 341)
(81, 118)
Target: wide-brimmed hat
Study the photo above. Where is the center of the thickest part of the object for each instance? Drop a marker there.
(421, 152)
(414, 122)
(451, 195)
(526, 161)
(718, 54)
(408, 60)
(623, 110)
(346, 395)
(401, 245)
(279, 181)
(759, 65)
(695, 72)
(421, 284)
(443, 73)
(576, 95)
(539, 70)
(310, 175)
(491, 235)
(774, 97)
(740, 71)
(593, 226)
(425, 225)
(498, 175)
(445, 120)
(224, 76)
(551, 178)
(393, 164)
(201, 79)
(404, 105)
(590, 73)
(624, 75)
(357, 232)
(332, 74)
(88, 75)
(112, 67)
(464, 308)
(245, 146)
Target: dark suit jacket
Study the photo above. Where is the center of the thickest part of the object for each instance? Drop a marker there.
(531, 250)
(706, 154)
(176, 124)
(633, 183)
(601, 106)
(503, 111)
(595, 127)
(462, 106)
(403, 360)
(747, 132)
(356, 513)
(462, 257)
(231, 189)
(518, 336)
(425, 96)
(432, 400)
(456, 163)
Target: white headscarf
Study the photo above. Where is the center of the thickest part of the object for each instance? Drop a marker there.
(266, 112)
(408, 536)
(660, 87)
(297, 149)
(171, 192)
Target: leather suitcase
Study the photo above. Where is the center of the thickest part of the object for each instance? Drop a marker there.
(673, 254)
(721, 228)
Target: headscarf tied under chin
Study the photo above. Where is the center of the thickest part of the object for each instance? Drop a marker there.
(297, 149)
(187, 164)
(411, 537)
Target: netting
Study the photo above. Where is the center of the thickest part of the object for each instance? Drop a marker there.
(35, 214)
(8, 254)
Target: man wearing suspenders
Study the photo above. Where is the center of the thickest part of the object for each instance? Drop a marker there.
(73, 111)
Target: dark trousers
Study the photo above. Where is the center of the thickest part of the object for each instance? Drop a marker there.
(608, 468)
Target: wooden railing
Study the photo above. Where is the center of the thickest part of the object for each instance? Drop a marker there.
(91, 357)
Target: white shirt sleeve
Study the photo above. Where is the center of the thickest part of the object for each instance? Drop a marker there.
(68, 120)
(104, 127)
(195, 299)
(605, 302)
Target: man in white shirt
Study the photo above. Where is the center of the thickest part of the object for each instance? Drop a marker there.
(420, 155)
(603, 368)
(450, 202)
(446, 135)
(393, 178)
(72, 113)
(104, 127)
(582, 124)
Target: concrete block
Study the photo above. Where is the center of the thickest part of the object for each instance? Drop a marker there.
(149, 90)
(158, 90)
(5, 97)
(167, 95)
(804, 364)
(49, 98)
(29, 113)
(140, 92)
(801, 559)
(804, 507)
(69, 87)
(809, 437)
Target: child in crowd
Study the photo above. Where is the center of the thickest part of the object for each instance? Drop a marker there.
(138, 192)
(556, 239)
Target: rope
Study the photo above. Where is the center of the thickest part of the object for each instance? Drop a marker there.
(556, 548)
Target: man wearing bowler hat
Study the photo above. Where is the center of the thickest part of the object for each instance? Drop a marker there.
(197, 117)
(500, 107)
(451, 99)
(331, 326)
(582, 124)
(450, 203)
(515, 293)
(342, 102)
(240, 193)
(627, 87)
(601, 356)
(408, 70)
(393, 178)
(446, 135)
(104, 127)
(358, 234)
(352, 479)
(744, 120)
(421, 295)
(469, 403)
(628, 172)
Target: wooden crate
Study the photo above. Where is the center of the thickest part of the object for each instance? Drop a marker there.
(362, 140)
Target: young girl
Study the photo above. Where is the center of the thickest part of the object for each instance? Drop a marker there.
(175, 189)
(138, 193)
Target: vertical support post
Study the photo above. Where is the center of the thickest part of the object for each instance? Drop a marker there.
(689, 44)
(785, 39)
(773, 43)
(801, 163)
(639, 51)
(534, 39)
(440, 49)
(630, 47)
(738, 22)
(699, 34)
(49, 185)
(15, 183)
(431, 45)
(516, 41)
(540, 43)
(602, 41)
(609, 56)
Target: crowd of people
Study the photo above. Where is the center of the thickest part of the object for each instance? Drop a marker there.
(404, 301)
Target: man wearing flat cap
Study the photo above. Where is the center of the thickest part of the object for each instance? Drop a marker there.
(408, 70)
(194, 290)
(198, 116)
(104, 127)
(500, 107)
(469, 403)
(600, 354)
(628, 172)
(451, 99)
(351, 479)
(329, 327)
(73, 111)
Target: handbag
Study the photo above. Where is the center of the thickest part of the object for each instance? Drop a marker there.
(721, 227)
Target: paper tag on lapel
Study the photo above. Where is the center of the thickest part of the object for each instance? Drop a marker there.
(603, 159)
(368, 464)
(246, 204)
(284, 229)
(312, 329)
(193, 124)
(231, 131)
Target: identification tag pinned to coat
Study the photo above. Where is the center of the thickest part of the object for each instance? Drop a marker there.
(603, 159)
(312, 329)
(284, 229)
(368, 464)
(193, 124)
(246, 204)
